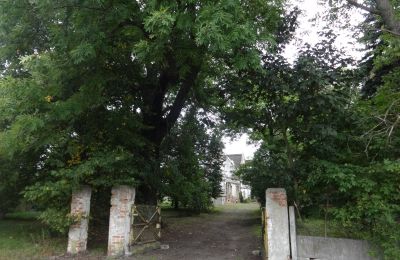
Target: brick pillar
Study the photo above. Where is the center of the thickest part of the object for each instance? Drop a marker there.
(122, 199)
(277, 244)
(80, 208)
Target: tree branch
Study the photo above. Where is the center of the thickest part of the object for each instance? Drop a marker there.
(388, 15)
(385, 10)
(181, 98)
(363, 7)
(392, 32)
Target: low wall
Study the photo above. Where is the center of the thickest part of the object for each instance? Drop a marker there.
(332, 248)
(281, 241)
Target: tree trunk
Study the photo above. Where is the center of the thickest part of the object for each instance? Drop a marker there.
(175, 203)
(290, 161)
(388, 15)
(385, 9)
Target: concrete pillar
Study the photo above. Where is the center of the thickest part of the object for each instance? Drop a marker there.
(277, 225)
(80, 209)
(122, 199)
(293, 234)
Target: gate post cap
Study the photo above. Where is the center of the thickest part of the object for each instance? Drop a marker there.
(274, 190)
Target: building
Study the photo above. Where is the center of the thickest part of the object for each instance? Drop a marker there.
(231, 185)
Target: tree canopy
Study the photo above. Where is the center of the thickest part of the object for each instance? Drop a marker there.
(90, 89)
(107, 92)
(329, 131)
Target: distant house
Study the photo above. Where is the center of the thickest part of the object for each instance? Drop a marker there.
(231, 185)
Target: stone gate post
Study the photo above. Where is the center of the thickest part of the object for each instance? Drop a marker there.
(122, 199)
(277, 245)
(78, 232)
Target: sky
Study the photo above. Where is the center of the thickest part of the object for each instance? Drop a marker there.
(311, 22)
(306, 33)
(240, 145)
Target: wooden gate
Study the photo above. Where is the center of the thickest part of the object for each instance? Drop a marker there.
(146, 224)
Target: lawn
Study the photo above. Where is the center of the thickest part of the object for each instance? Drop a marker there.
(27, 239)
(316, 227)
(24, 237)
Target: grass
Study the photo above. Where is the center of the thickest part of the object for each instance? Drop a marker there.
(23, 215)
(257, 227)
(316, 227)
(22, 236)
(257, 231)
(22, 239)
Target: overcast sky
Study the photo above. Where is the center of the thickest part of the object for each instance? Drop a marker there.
(306, 33)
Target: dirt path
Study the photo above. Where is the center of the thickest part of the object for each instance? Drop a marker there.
(232, 233)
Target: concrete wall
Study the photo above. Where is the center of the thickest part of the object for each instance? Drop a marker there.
(122, 199)
(282, 243)
(276, 243)
(293, 233)
(332, 248)
(80, 209)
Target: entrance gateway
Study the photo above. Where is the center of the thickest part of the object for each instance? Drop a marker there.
(129, 225)
(134, 225)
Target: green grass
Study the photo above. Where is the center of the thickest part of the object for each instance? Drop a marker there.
(29, 239)
(21, 239)
(316, 227)
(23, 215)
(257, 228)
(22, 236)
(257, 231)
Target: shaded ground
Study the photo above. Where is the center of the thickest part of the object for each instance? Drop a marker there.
(231, 233)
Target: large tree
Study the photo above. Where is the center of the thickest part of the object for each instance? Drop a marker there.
(192, 158)
(333, 149)
(91, 88)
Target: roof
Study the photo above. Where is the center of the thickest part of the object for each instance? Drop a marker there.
(236, 158)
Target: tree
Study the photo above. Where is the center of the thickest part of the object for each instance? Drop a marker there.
(385, 10)
(290, 107)
(316, 134)
(93, 87)
(192, 160)
(380, 66)
(212, 162)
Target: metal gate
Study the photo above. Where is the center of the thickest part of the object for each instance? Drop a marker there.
(146, 224)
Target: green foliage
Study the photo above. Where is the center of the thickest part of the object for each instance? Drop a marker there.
(335, 153)
(192, 164)
(373, 204)
(317, 227)
(8, 190)
(23, 215)
(90, 89)
(211, 160)
(57, 219)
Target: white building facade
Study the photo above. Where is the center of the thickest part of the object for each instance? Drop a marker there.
(231, 185)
